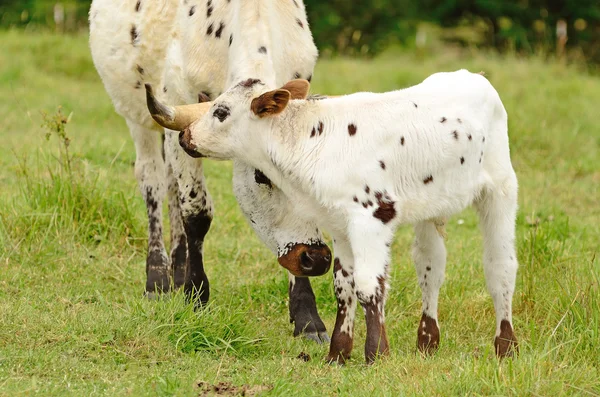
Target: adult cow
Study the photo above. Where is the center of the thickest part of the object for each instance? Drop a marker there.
(194, 50)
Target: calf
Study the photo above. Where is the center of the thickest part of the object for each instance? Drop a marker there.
(363, 164)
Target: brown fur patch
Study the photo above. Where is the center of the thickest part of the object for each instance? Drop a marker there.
(382, 164)
(402, 141)
(427, 180)
(385, 211)
(428, 335)
(351, 129)
(337, 266)
(506, 343)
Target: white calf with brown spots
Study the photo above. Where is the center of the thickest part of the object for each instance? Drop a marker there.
(444, 144)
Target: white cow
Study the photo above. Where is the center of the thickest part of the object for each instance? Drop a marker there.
(194, 49)
(363, 164)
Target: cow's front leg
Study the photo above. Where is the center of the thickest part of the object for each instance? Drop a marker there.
(303, 310)
(429, 255)
(150, 174)
(178, 237)
(297, 243)
(343, 281)
(371, 252)
(197, 213)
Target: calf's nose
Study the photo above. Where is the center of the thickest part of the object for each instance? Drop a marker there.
(185, 142)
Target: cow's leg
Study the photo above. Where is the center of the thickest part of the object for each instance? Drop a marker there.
(178, 238)
(343, 281)
(429, 255)
(497, 212)
(281, 227)
(197, 213)
(303, 310)
(150, 174)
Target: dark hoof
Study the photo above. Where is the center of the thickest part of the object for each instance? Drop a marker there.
(506, 344)
(197, 295)
(319, 337)
(428, 335)
(337, 359)
(311, 327)
(158, 278)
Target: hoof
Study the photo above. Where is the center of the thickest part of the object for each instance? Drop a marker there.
(319, 337)
(506, 344)
(158, 277)
(428, 335)
(337, 359)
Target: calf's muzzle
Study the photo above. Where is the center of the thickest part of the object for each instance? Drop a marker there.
(186, 144)
(307, 260)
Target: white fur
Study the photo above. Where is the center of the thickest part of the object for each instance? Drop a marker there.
(176, 54)
(443, 145)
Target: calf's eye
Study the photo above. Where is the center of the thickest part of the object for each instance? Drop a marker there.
(221, 114)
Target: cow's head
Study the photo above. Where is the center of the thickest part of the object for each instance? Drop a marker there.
(279, 223)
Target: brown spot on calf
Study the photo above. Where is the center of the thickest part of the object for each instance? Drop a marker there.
(428, 335)
(428, 180)
(382, 164)
(385, 211)
(351, 129)
(299, 22)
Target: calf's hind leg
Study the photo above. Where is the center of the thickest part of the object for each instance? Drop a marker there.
(150, 174)
(429, 255)
(497, 212)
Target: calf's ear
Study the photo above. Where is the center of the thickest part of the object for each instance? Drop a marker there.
(298, 88)
(270, 103)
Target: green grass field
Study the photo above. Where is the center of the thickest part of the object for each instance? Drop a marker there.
(73, 320)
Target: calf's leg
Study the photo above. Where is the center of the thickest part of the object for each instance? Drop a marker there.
(343, 281)
(150, 174)
(497, 212)
(371, 262)
(429, 255)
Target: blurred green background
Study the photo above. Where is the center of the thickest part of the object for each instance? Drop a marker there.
(369, 27)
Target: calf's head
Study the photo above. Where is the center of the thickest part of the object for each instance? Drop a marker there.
(279, 223)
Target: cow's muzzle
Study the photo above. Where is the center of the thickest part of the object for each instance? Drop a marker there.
(185, 142)
(307, 260)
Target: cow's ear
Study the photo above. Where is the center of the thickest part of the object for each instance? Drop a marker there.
(298, 88)
(270, 103)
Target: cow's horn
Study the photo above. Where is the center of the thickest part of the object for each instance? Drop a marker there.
(174, 117)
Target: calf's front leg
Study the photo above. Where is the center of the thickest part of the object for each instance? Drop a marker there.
(343, 281)
(371, 258)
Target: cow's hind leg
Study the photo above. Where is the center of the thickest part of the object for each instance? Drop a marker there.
(303, 310)
(429, 255)
(196, 211)
(497, 209)
(150, 174)
(178, 238)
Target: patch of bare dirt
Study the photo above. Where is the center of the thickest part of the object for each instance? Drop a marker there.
(228, 389)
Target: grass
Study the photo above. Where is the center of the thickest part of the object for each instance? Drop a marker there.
(72, 252)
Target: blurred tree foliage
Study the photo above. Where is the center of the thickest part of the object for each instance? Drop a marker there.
(367, 27)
